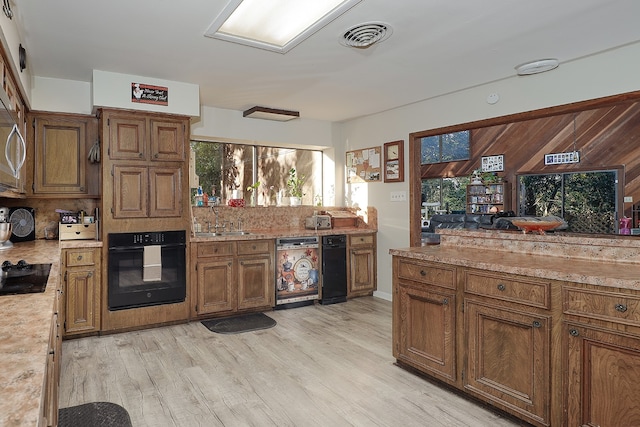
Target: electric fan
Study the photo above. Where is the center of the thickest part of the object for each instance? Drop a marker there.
(23, 224)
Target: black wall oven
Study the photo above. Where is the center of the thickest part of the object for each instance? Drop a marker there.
(146, 269)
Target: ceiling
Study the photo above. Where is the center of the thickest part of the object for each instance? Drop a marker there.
(437, 47)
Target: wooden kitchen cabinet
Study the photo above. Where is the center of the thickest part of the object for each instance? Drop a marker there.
(60, 146)
(49, 414)
(256, 276)
(233, 276)
(424, 322)
(146, 160)
(362, 264)
(493, 336)
(508, 342)
(80, 269)
(601, 339)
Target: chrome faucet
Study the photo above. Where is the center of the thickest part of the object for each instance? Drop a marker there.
(216, 225)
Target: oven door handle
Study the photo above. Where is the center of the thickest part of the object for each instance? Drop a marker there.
(139, 247)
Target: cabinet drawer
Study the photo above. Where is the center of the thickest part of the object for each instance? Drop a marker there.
(534, 293)
(79, 257)
(254, 247)
(613, 306)
(361, 240)
(215, 249)
(439, 275)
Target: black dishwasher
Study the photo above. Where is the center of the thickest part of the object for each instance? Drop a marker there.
(334, 269)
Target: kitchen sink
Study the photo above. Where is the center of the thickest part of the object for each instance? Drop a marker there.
(223, 234)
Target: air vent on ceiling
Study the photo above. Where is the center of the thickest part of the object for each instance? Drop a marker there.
(364, 35)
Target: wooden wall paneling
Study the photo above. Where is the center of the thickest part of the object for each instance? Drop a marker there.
(607, 134)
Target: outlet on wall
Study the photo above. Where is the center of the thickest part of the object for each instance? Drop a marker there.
(398, 196)
(628, 199)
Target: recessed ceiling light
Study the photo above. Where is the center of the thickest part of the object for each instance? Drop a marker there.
(535, 67)
(276, 25)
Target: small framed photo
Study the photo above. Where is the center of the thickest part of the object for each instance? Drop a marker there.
(492, 163)
(394, 161)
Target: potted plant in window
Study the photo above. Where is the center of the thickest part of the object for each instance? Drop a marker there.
(295, 183)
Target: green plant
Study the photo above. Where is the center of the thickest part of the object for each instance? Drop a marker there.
(295, 183)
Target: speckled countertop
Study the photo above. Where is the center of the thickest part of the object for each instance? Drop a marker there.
(285, 232)
(606, 261)
(25, 323)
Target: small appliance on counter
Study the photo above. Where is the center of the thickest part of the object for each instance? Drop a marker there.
(23, 224)
(5, 229)
(318, 222)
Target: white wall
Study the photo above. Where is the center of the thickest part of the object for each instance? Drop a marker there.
(11, 38)
(62, 96)
(114, 90)
(606, 74)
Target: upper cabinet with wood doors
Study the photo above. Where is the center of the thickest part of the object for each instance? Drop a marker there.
(60, 146)
(145, 169)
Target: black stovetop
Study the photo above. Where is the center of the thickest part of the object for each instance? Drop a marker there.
(23, 278)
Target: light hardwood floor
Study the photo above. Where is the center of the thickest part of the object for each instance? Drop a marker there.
(319, 366)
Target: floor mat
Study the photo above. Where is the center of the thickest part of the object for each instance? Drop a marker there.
(239, 324)
(96, 414)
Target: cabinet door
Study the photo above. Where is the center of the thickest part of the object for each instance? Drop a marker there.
(362, 271)
(426, 337)
(255, 283)
(82, 305)
(167, 140)
(508, 358)
(215, 286)
(602, 377)
(60, 156)
(127, 136)
(130, 192)
(165, 192)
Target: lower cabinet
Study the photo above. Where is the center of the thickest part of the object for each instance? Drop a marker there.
(426, 335)
(487, 334)
(362, 265)
(80, 270)
(49, 414)
(233, 276)
(508, 360)
(601, 337)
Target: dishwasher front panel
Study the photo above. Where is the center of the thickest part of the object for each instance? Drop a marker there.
(297, 272)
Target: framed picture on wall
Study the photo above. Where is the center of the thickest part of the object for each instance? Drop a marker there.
(394, 161)
(492, 163)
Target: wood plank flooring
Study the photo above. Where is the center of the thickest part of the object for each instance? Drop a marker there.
(319, 366)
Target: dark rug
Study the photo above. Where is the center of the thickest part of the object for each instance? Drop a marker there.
(238, 324)
(96, 414)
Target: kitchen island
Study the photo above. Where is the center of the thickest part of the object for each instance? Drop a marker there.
(545, 327)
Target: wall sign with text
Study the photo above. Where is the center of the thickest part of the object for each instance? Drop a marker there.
(149, 94)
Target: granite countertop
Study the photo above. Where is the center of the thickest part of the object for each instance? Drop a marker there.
(287, 232)
(579, 259)
(25, 324)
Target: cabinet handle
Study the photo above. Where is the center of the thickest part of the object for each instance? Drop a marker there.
(621, 308)
(90, 274)
(79, 257)
(140, 155)
(574, 332)
(501, 287)
(155, 155)
(241, 262)
(423, 273)
(229, 264)
(537, 324)
(253, 247)
(445, 301)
